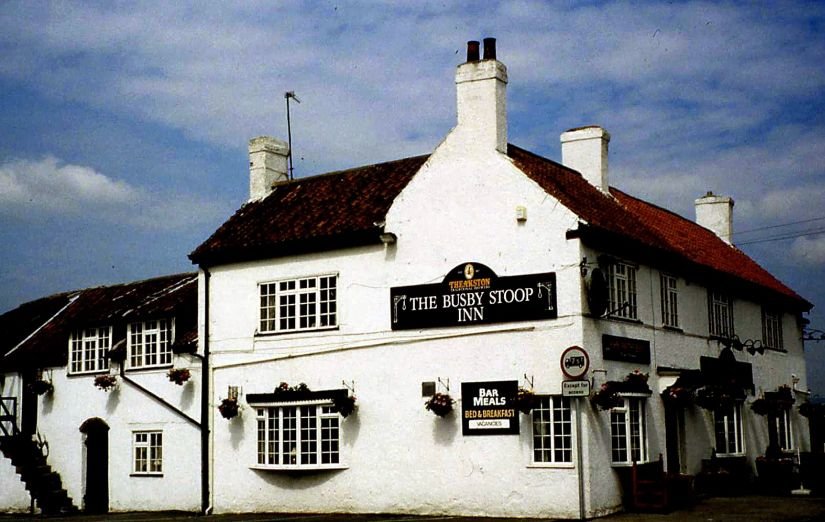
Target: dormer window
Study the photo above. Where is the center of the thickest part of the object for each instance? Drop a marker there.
(150, 343)
(88, 349)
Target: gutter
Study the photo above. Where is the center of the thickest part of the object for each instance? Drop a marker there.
(206, 376)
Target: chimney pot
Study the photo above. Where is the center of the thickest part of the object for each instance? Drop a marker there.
(489, 48)
(472, 51)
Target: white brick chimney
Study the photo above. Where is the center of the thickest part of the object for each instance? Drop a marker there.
(481, 89)
(267, 165)
(585, 149)
(716, 214)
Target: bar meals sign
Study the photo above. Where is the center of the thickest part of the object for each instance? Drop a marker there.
(471, 294)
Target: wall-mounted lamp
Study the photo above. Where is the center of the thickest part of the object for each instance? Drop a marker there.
(751, 345)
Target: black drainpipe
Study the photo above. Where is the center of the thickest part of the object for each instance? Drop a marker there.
(206, 508)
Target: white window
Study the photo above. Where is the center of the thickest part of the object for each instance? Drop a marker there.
(728, 424)
(720, 314)
(150, 343)
(147, 449)
(781, 424)
(300, 436)
(552, 430)
(88, 349)
(309, 303)
(670, 301)
(628, 431)
(622, 286)
(771, 329)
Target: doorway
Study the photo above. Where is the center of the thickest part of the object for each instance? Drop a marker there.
(675, 438)
(96, 496)
(28, 404)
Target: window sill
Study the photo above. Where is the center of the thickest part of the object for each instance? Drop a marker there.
(672, 328)
(623, 319)
(136, 369)
(88, 373)
(303, 331)
(155, 475)
(627, 464)
(299, 469)
(551, 465)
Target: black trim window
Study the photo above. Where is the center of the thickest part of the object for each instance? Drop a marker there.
(622, 290)
(308, 303)
(552, 430)
(628, 431)
(720, 314)
(88, 349)
(298, 436)
(772, 329)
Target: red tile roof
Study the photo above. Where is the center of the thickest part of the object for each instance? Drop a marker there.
(311, 214)
(344, 209)
(36, 334)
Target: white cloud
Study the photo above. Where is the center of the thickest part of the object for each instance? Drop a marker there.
(48, 185)
(809, 250)
(30, 189)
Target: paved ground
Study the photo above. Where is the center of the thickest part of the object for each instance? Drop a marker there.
(747, 508)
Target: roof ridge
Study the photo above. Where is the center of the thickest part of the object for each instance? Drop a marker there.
(350, 170)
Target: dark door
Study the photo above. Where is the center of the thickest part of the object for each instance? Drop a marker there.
(28, 404)
(674, 437)
(96, 499)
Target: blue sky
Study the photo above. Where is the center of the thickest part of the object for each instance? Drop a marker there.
(123, 127)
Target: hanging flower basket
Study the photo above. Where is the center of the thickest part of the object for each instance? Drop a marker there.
(608, 395)
(679, 396)
(774, 403)
(812, 410)
(441, 404)
(106, 382)
(715, 397)
(41, 387)
(179, 375)
(229, 408)
(525, 400)
(344, 404)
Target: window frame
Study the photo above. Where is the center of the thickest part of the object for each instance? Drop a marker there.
(621, 276)
(725, 436)
(629, 436)
(555, 405)
(80, 339)
(669, 295)
(163, 349)
(153, 446)
(772, 329)
(276, 310)
(720, 303)
(782, 426)
(265, 460)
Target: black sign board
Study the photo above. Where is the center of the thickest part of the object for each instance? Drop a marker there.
(489, 408)
(625, 349)
(471, 294)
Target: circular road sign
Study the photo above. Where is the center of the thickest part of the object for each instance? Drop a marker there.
(575, 362)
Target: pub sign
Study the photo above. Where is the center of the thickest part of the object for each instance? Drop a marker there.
(471, 294)
(489, 408)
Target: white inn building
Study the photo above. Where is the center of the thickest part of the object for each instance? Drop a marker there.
(476, 331)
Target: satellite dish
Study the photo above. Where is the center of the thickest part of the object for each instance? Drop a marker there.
(596, 286)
